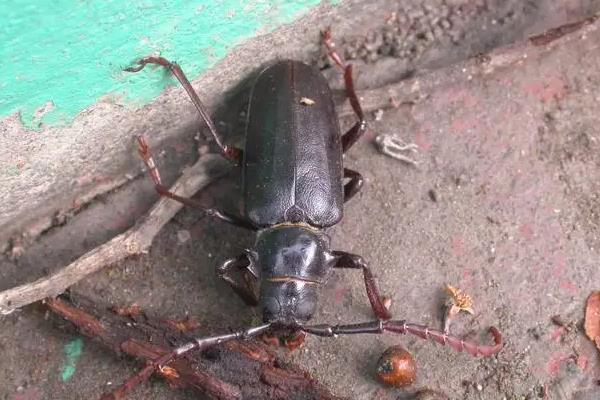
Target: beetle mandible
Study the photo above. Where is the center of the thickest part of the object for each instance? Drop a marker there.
(293, 190)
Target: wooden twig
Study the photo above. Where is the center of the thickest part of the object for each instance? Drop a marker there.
(252, 369)
(136, 240)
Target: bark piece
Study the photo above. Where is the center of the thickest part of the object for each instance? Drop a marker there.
(235, 370)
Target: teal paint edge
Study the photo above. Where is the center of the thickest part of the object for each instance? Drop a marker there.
(72, 53)
(73, 351)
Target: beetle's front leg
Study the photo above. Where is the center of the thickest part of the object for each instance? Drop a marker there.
(349, 260)
(248, 290)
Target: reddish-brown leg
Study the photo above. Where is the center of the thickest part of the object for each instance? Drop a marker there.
(348, 260)
(229, 152)
(146, 155)
(352, 136)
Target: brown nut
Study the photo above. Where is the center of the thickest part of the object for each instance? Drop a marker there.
(396, 367)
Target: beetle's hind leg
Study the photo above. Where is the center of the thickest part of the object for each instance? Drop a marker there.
(352, 136)
(248, 291)
(146, 155)
(229, 152)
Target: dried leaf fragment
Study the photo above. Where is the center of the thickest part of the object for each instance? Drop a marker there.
(387, 302)
(128, 311)
(394, 147)
(592, 318)
(168, 372)
(458, 301)
(294, 342)
(184, 325)
(305, 101)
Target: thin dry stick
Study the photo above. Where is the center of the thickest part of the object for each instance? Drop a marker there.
(136, 240)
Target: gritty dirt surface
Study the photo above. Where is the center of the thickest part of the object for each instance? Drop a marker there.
(503, 204)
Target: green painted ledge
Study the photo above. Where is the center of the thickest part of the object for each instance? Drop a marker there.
(62, 56)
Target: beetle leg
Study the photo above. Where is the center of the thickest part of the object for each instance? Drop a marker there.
(403, 327)
(146, 155)
(352, 136)
(354, 185)
(229, 152)
(247, 291)
(348, 260)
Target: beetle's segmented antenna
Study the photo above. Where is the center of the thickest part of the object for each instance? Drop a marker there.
(199, 343)
(403, 327)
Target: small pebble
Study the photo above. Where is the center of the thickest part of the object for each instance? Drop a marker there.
(433, 195)
(305, 101)
(204, 149)
(183, 235)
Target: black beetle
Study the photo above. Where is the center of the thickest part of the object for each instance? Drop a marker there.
(293, 190)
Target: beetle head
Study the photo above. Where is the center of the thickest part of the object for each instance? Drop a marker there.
(293, 262)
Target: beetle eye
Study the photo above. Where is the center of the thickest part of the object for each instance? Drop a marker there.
(305, 241)
(252, 255)
(306, 305)
(270, 308)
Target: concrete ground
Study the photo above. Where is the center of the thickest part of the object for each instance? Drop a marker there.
(503, 204)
